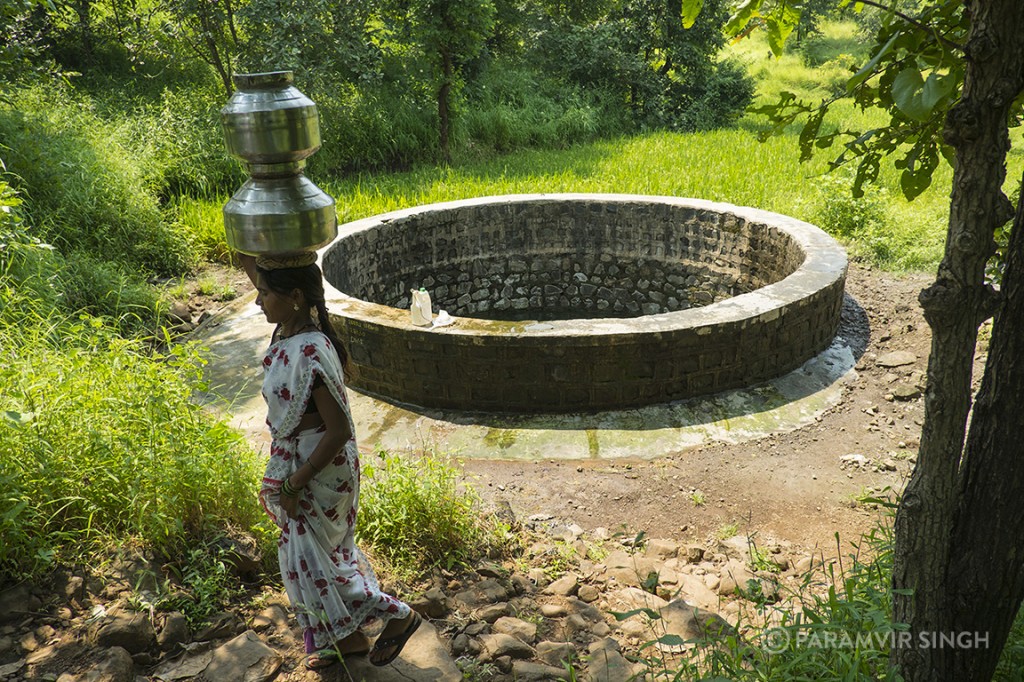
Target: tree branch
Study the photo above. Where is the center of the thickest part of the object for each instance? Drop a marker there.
(913, 22)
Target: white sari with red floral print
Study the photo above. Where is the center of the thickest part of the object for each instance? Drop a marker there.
(329, 582)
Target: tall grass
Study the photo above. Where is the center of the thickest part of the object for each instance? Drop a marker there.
(731, 166)
(101, 444)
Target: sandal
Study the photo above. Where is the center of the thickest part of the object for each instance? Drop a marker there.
(396, 642)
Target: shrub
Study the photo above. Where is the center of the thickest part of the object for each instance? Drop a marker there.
(416, 516)
(101, 444)
(83, 191)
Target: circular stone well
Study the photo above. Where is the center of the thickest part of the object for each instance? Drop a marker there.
(580, 302)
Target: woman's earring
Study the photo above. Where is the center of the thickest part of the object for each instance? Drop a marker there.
(295, 307)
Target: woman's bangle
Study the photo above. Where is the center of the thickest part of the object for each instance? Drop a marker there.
(287, 489)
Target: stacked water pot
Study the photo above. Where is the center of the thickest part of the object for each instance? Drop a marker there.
(274, 128)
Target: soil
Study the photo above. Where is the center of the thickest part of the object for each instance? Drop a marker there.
(791, 486)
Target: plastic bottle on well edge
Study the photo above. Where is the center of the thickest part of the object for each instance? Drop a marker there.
(422, 315)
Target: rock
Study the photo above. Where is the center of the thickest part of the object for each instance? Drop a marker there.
(491, 570)
(436, 603)
(588, 593)
(633, 598)
(737, 547)
(15, 602)
(906, 392)
(553, 610)
(116, 665)
(734, 575)
(491, 612)
(460, 645)
(556, 654)
(523, 585)
(854, 459)
(11, 668)
(179, 312)
(661, 549)
(606, 662)
(240, 552)
(697, 592)
(694, 554)
(691, 623)
(223, 624)
(520, 629)
(526, 671)
(131, 631)
(590, 613)
(498, 645)
(484, 592)
(244, 659)
(175, 631)
(564, 586)
(274, 616)
(539, 577)
(896, 359)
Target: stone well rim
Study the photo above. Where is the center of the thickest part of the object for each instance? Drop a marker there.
(825, 262)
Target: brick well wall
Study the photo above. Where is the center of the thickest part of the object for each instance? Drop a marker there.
(581, 302)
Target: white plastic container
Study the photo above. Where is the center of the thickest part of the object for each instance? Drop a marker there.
(420, 310)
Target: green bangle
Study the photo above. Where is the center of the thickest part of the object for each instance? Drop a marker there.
(288, 490)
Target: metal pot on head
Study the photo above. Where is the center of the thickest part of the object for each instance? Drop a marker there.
(274, 128)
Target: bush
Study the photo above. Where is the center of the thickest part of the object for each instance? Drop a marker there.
(101, 444)
(512, 108)
(83, 191)
(416, 516)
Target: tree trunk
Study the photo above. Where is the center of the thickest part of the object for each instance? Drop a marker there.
(986, 580)
(934, 523)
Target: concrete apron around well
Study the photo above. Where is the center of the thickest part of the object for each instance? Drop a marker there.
(237, 337)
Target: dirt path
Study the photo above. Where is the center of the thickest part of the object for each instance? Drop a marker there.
(791, 486)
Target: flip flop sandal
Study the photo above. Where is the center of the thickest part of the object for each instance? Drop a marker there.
(325, 658)
(397, 642)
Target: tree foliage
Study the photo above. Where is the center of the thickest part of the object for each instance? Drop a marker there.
(950, 76)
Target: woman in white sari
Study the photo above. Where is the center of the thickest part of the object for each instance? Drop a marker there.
(311, 484)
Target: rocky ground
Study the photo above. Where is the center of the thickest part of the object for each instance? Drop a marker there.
(785, 495)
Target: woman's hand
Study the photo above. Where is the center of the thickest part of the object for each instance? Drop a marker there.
(290, 504)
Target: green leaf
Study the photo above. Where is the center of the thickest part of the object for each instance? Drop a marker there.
(623, 615)
(745, 12)
(691, 9)
(917, 97)
(781, 23)
(868, 69)
(18, 418)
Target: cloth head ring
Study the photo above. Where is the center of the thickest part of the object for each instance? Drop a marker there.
(273, 262)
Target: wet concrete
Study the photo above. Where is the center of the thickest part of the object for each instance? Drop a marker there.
(236, 337)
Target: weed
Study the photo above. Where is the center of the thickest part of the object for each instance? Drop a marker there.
(697, 497)
(416, 514)
(727, 531)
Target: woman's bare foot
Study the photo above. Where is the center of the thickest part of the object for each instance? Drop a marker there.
(355, 644)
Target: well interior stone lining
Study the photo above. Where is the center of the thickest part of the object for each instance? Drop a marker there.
(506, 266)
(527, 261)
